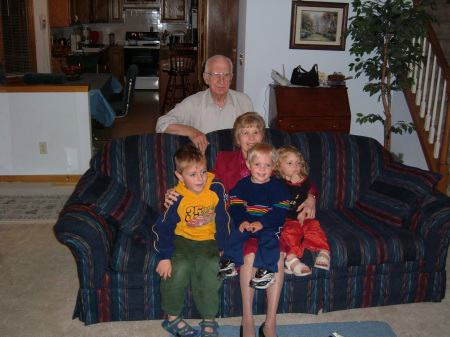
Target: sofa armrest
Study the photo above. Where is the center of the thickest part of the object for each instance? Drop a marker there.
(90, 239)
(431, 219)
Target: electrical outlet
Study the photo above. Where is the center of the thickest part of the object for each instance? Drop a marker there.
(43, 148)
(241, 58)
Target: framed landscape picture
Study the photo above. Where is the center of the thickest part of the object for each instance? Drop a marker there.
(318, 25)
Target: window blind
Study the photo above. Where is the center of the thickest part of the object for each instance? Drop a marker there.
(16, 37)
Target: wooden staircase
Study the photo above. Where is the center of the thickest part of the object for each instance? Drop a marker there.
(428, 99)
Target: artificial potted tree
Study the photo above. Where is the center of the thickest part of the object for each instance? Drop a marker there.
(386, 46)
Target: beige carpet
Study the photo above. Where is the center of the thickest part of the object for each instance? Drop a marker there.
(38, 286)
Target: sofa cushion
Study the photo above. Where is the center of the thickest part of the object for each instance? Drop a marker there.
(357, 240)
(395, 193)
(117, 204)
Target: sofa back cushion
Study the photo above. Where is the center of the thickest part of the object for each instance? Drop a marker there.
(222, 140)
(142, 163)
(341, 166)
(395, 193)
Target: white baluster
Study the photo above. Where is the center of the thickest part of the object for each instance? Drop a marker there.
(437, 145)
(428, 115)
(433, 119)
(424, 101)
(412, 72)
(419, 89)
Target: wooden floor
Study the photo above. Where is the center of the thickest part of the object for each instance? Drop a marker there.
(142, 119)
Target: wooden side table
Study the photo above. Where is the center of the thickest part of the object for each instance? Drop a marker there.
(295, 109)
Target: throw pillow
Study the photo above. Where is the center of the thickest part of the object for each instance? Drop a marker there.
(116, 204)
(395, 193)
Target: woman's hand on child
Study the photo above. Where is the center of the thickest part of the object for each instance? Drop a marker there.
(170, 197)
(307, 210)
(164, 268)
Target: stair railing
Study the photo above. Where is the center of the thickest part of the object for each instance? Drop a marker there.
(428, 102)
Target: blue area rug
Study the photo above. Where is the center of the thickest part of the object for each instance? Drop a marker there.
(343, 329)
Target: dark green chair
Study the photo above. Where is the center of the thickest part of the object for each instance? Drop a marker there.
(122, 103)
(44, 78)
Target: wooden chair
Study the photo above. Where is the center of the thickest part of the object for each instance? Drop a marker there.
(182, 63)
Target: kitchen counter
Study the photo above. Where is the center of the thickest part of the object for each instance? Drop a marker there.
(93, 59)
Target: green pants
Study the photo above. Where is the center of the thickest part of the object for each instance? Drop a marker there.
(197, 262)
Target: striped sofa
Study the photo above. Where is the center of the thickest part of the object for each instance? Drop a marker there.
(387, 227)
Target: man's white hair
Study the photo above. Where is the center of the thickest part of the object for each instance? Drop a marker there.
(217, 57)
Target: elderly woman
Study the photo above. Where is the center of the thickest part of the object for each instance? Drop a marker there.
(230, 167)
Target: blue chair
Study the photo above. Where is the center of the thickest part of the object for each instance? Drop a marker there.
(41, 78)
(122, 103)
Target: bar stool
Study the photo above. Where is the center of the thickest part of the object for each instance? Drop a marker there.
(182, 64)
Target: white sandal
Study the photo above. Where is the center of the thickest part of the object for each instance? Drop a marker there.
(297, 271)
(325, 261)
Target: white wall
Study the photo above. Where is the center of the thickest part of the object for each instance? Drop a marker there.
(266, 34)
(60, 119)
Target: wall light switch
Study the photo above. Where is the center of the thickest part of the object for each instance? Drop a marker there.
(43, 148)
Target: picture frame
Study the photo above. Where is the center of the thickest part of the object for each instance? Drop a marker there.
(174, 11)
(318, 25)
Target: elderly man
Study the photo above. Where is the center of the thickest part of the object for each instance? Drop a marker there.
(210, 110)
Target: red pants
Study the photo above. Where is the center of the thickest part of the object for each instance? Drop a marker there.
(298, 237)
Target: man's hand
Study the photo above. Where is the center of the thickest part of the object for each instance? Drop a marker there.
(307, 209)
(199, 139)
(164, 268)
(170, 197)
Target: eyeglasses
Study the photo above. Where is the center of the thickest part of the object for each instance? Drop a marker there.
(225, 76)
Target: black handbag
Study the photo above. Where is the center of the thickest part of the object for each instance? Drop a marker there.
(306, 78)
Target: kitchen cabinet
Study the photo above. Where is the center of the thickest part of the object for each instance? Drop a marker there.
(296, 109)
(99, 11)
(115, 8)
(64, 13)
(218, 33)
(174, 11)
(116, 62)
(139, 2)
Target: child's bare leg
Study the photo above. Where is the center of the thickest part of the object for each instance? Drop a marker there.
(246, 273)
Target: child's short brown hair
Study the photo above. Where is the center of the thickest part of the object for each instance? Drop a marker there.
(246, 120)
(285, 150)
(260, 149)
(188, 156)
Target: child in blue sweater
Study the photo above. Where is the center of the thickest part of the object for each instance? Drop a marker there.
(258, 205)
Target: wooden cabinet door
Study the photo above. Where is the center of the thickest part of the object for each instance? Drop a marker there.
(80, 11)
(99, 11)
(59, 13)
(115, 8)
(174, 11)
(116, 66)
(218, 32)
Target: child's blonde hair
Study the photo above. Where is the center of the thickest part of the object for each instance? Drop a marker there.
(188, 156)
(246, 120)
(284, 151)
(261, 149)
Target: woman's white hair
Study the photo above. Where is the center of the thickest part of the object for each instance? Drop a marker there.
(217, 57)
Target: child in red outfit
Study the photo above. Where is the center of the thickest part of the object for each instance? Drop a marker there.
(293, 172)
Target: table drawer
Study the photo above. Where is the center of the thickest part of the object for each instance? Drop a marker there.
(320, 124)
